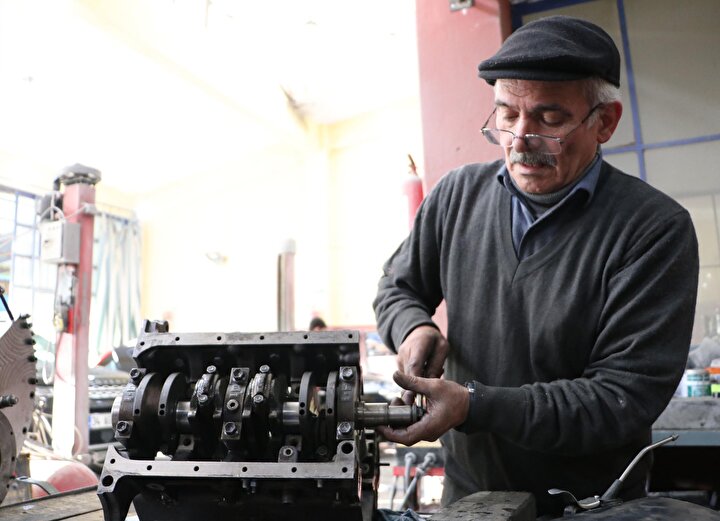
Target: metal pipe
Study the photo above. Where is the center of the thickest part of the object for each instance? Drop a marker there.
(286, 286)
(291, 414)
(614, 490)
(375, 414)
(420, 471)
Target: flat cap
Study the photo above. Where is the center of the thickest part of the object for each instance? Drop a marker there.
(556, 48)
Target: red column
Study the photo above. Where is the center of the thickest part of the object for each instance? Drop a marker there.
(70, 401)
(454, 101)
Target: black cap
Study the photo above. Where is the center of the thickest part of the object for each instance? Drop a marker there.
(555, 48)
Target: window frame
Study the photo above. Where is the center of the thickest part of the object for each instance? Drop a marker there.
(521, 9)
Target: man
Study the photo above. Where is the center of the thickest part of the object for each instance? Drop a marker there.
(317, 324)
(570, 286)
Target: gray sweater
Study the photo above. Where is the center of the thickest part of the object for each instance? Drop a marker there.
(575, 350)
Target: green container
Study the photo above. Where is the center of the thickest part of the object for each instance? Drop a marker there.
(696, 382)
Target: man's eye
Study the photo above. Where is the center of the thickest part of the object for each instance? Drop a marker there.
(552, 120)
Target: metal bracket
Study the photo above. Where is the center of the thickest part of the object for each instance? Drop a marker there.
(47, 487)
(458, 5)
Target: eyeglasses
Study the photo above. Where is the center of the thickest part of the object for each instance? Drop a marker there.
(536, 142)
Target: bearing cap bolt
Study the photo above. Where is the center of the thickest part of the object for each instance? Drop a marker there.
(135, 373)
(230, 428)
(238, 375)
(344, 427)
(347, 373)
(8, 400)
(202, 399)
(232, 405)
(122, 427)
(264, 368)
(211, 369)
(258, 399)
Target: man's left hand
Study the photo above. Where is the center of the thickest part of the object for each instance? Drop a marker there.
(446, 406)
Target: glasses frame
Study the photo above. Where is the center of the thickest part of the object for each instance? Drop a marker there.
(542, 137)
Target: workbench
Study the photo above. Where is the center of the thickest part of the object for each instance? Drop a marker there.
(690, 462)
(84, 505)
(76, 505)
(696, 420)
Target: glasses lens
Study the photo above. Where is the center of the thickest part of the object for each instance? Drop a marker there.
(534, 142)
(502, 138)
(542, 144)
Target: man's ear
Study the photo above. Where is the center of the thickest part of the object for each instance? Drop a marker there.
(609, 118)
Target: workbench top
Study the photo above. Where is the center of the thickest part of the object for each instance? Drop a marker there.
(76, 505)
(84, 505)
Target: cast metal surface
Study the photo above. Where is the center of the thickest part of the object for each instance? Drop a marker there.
(8, 453)
(648, 509)
(17, 394)
(249, 426)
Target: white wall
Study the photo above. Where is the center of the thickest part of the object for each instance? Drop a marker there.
(243, 212)
(340, 198)
(368, 158)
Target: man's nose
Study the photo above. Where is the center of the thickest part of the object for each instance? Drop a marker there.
(520, 143)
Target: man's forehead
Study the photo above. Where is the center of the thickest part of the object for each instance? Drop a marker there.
(540, 95)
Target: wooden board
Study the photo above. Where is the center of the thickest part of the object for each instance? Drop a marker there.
(84, 505)
(77, 505)
(490, 506)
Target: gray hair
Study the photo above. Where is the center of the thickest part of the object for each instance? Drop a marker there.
(597, 91)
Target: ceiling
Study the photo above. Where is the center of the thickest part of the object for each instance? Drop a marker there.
(149, 92)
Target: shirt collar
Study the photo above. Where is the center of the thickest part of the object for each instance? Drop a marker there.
(588, 180)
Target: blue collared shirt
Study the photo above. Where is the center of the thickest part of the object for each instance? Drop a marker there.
(529, 233)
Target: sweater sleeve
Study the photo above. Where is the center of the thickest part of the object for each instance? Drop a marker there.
(409, 290)
(635, 365)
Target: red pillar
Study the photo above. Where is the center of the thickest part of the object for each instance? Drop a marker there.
(70, 401)
(454, 101)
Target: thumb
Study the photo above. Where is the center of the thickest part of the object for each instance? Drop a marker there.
(409, 382)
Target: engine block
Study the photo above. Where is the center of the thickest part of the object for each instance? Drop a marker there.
(248, 426)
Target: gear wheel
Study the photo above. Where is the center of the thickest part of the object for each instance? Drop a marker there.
(8, 455)
(17, 394)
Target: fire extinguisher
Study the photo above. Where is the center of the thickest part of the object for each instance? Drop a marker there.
(413, 189)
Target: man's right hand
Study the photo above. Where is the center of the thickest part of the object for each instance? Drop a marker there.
(422, 353)
(447, 405)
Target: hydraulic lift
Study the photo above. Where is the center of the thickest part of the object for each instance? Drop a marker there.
(67, 240)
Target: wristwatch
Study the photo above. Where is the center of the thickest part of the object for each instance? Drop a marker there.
(470, 387)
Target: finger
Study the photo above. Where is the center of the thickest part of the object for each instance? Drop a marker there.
(396, 435)
(416, 384)
(408, 397)
(436, 361)
(409, 435)
(434, 368)
(415, 365)
(401, 363)
(385, 432)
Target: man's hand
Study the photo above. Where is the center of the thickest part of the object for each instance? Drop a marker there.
(422, 353)
(447, 405)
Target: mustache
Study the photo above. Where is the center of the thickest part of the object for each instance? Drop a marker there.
(532, 158)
